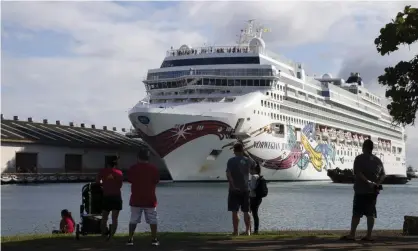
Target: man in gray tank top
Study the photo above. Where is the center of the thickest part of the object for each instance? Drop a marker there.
(369, 174)
(237, 173)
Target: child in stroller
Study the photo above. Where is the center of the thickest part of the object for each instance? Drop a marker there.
(90, 210)
(67, 223)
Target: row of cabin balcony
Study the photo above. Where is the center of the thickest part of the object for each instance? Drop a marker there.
(211, 72)
(335, 94)
(191, 100)
(335, 122)
(341, 109)
(303, 122)
(343, 113)
(193, 92)
(349, 106)
(211, 82)
(320, 115)
(288, 115)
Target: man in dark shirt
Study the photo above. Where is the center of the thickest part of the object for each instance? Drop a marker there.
(237, 173)
(144, 178)
(369, 174)
(112, 180)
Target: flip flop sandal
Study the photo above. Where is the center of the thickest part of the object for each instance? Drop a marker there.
(347, 238)
(367, 239)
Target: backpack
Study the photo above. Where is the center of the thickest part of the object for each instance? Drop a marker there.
(261, 189)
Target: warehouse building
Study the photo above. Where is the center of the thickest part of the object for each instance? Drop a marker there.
(31, 147)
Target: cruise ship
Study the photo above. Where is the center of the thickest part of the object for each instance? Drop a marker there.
(203, 100)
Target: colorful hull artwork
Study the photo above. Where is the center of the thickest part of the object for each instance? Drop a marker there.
(308, 151)
(320, 155)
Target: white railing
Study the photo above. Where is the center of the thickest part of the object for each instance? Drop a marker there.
(229, 49)
(317, 112)
(210, 72)
(209, 50)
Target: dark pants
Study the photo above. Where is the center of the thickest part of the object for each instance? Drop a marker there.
(254, 205)
(364, 204)
(113, 202)
(239, 200)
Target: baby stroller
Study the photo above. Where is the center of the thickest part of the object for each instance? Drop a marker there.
(90, 210)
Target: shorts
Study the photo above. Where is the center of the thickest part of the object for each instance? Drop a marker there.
(364, 204)
(238, 200)
(149, 213)
(110, 203)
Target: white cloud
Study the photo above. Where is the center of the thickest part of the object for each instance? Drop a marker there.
(111, 46)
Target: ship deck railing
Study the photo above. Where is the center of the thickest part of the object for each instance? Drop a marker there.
(238, 49)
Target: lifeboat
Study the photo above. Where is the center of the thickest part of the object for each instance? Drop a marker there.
(30, 179)
(6, 179)
(42, 179)
(17, 179)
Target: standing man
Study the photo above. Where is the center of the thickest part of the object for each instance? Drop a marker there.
(144, 178)
(112, 180)
(237, 173)
(369, 174)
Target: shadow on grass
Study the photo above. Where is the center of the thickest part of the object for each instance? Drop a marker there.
(198, 241)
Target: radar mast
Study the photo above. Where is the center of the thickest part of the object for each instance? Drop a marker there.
(251, 31)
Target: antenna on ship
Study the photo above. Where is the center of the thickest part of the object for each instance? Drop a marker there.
(247, 33)
(251, 31)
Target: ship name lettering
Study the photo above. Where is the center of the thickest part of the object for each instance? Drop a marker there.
(266, 145)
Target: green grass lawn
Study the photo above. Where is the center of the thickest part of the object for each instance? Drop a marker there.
(201, 236)
(281, 240)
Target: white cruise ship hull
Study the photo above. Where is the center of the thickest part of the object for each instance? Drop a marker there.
(185, 136)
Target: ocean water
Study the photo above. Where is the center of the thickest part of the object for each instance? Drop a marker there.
(201, 207)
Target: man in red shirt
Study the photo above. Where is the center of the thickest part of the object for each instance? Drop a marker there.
(112, 179)
(144, 178)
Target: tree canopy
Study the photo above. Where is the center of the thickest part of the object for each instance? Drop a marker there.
(402, 79)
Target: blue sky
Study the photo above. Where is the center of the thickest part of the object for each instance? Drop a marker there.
(84, 61)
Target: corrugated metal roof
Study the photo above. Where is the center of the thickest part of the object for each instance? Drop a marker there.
(62, 135)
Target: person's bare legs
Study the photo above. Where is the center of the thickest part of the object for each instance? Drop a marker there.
(151, 219)
(247, 220)
(103, 225)
(235, 222)
(370, 225)
(355, 220)
(153, 228)
(132, 228)
(115, 216)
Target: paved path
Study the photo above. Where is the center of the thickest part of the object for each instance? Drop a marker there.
(302, 243)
